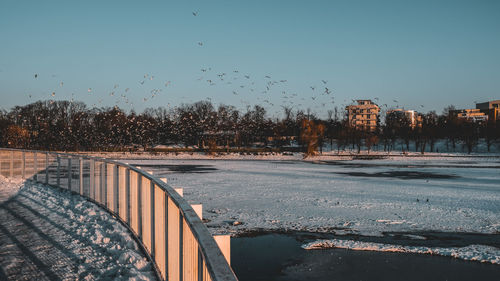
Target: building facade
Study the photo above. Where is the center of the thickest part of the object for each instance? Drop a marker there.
(364, 115)
(490, 108)
(410, 118)
(474, 115)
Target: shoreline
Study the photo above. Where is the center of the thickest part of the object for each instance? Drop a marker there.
(273, 156)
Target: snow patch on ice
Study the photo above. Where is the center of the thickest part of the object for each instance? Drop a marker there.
(480, 253)
(392, 221)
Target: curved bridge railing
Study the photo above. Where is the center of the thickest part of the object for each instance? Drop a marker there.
(170, 230)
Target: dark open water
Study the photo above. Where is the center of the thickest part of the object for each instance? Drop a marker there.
(280, 257)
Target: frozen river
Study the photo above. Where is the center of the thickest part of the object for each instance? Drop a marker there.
(409, 198)
(363, 197)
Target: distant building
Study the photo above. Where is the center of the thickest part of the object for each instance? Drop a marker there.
(474, 115)
(364, 115)
(490, 108)
(410, 118)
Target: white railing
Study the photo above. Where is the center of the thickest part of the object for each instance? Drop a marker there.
(167, 227)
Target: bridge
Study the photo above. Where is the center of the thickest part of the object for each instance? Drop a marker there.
(170, 232)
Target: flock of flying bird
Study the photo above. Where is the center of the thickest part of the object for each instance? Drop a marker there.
(266, 90)
(120, 97)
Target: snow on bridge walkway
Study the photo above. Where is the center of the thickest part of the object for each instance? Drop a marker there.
(51, 234)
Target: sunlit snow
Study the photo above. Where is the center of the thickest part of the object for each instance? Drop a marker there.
(105, 248)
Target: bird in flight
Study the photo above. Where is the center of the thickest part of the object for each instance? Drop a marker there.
(195, 13)
(36, 75)
(324, 81)
(200, 43)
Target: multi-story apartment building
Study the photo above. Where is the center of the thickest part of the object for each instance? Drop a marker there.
(490, 108)
(364, 115)
(474, 115)
(410, 118)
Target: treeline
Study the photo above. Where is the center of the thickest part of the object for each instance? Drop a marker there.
(72, 126)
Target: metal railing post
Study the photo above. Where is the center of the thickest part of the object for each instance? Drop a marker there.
(200, 265)
(35, 167)
(110, 186)
(80, 173)
(116, 195)
(102, 183)
(46, 168)
(152, 216)
(139, 205)
(224, 243)
(97, 182)
(127, 195)
(92, 180)
(165, 210)
(69, 174)
(58, 181)
(181, 246)
(105, 184)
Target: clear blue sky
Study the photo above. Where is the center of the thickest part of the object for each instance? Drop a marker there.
(431, 53)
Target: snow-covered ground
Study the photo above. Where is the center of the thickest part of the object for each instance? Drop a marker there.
(51, 233)
(9, 187)
(366, 197)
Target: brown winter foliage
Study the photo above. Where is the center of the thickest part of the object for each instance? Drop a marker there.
(71, 126)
